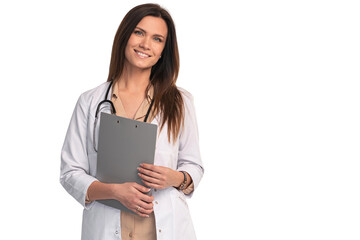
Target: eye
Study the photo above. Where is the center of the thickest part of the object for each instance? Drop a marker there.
(137, 32)
(157, 39)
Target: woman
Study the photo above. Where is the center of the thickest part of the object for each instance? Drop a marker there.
(141, 83)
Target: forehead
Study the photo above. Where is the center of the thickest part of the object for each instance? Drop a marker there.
(153, 25)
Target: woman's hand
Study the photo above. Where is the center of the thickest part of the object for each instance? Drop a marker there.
(132, 196)
(158, 177)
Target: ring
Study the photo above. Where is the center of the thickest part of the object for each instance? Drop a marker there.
(137, 209)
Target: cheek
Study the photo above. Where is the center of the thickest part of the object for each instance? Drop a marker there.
(127, 50)
(157, 49)
(127, 54)
(131, 41)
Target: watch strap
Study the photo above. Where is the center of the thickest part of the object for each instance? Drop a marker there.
(182, 185)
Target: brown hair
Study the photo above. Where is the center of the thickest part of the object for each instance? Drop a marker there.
(167, 98)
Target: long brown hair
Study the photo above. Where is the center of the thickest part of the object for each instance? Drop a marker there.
(167, 98)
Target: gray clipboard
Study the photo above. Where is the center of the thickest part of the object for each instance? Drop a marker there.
(123, 144)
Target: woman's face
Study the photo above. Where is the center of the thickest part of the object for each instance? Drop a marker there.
(146, 43)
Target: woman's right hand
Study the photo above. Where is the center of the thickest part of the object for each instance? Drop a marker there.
(132, 195)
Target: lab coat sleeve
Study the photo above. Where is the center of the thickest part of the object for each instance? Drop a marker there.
(74, 172)
(189, 159)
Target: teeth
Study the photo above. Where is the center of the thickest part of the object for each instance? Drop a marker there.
(142, 54)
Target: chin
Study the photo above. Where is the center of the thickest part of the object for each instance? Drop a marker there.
(143, 66)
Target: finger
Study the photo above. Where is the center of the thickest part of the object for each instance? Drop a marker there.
(150, 173)
(152, 185)
(142, 212)
(151, 167)
(140, 188)
(138, 210)
(149, 179)
(146, 198)
(142, 193)
(146, 206)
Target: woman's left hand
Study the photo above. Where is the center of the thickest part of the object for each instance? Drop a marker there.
(159, 177)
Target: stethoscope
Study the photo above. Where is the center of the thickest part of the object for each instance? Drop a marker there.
(113, 111)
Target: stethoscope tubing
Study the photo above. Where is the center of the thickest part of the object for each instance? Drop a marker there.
(113, 111)
(98, 110)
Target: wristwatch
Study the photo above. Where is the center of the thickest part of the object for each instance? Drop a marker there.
(182, 185)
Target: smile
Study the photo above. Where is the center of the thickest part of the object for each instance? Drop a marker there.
(141, 54)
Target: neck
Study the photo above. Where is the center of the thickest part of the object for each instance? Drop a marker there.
(134, 79)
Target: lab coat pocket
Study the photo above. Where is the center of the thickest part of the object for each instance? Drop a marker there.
(182, 221)
(179, 201)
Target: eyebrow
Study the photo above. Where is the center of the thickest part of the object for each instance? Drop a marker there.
(157, 35)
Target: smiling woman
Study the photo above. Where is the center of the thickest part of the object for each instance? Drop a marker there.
(147, 42)
(142, 86)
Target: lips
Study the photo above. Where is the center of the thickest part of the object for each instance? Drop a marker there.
(141, 54)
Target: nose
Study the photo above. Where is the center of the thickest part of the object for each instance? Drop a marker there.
(145, 43)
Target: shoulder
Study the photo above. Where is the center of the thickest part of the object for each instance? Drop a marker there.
(188, 100)
(90, 98)
(187, 96)
(96, 92)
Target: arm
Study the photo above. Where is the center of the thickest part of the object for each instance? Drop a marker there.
(75, 175)
(189, 160)
(131, 195)
(74, 172)
(159, 177)
(189, 149)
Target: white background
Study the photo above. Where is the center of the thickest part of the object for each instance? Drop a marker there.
(276, 87)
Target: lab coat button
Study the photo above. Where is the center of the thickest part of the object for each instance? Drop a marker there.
(159, 230)
(116, 232)
(155, 189)
(156, 202)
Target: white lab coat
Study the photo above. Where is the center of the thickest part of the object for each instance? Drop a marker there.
(78, 170)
